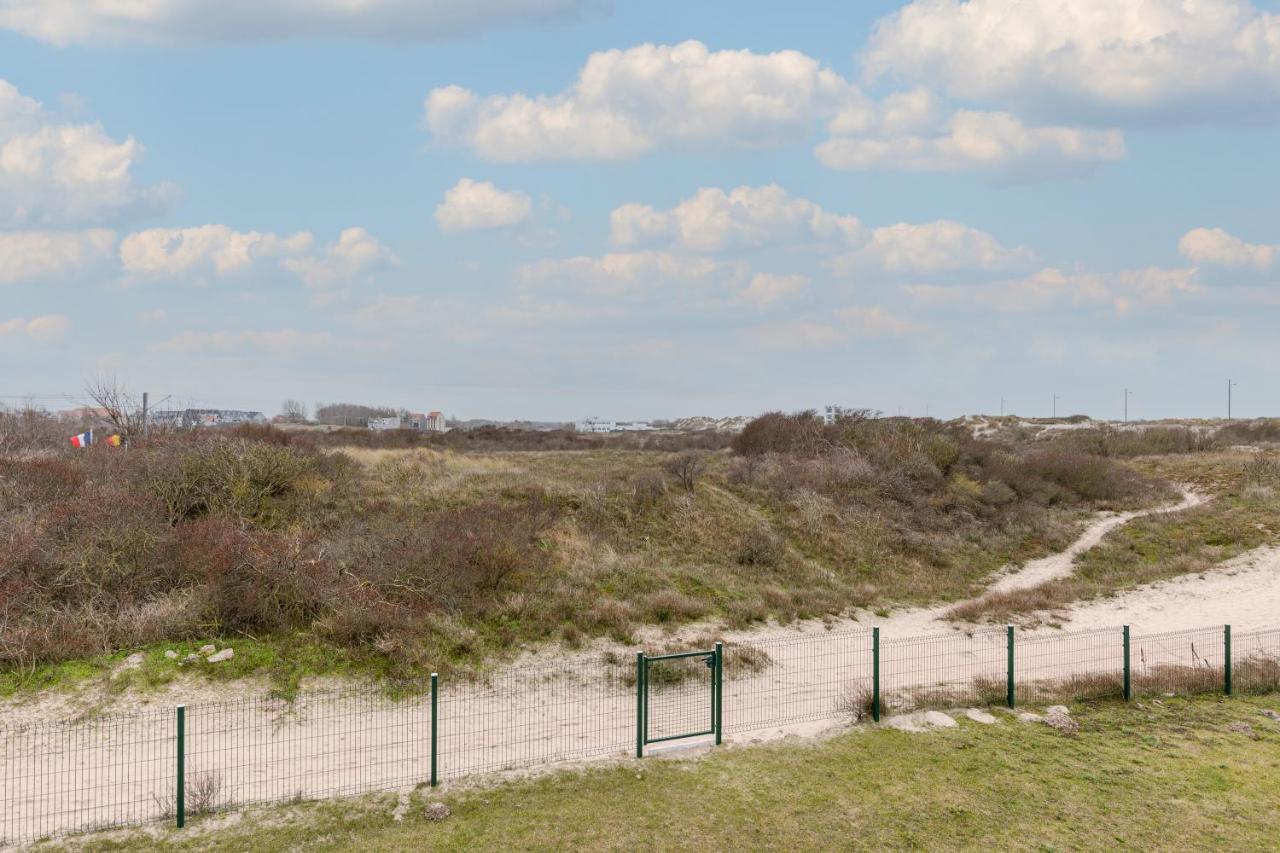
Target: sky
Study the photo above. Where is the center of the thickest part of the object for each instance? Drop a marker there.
(551, 209)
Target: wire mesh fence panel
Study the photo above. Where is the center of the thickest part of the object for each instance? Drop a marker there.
(679, 692)
(1069, 667)
(795, 679)
(943, 670)
(1255, 661)
(1178, 662)
(320, 745)
(535, 715)
(64, 777)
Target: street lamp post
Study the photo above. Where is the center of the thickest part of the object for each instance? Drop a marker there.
(1230, 385)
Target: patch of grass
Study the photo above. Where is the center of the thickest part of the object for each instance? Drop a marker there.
(1145, 776)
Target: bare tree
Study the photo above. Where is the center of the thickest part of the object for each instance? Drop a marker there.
(687, 468)
(116, 404)
(293, 411)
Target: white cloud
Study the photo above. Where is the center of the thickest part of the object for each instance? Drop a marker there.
(355, 254)
(743, 218)
(931, 247)
(30, 255)
(874, 322)
(55, 173)
(634, 273)
(1106, 60)
(1052, 289)
(46, 328)
(628, 102)
(850, 323)
(219, 250)
(479, 205)
(713, 220)
(168, 21)
(203, 249)
(1213, 246)
(767, 289)
(281, 342)
(995, 143)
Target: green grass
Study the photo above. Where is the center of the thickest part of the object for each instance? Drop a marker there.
(282, 661)
(1147, 776)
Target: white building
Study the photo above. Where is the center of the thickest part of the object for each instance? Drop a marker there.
(594, 425)
(831, 414)
(380, 424)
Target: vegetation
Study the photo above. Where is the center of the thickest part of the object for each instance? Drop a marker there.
(1154, 775)
(397, 560)
(1244, 514)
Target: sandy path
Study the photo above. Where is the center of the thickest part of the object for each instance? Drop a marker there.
(1243, 592)
(1059, 565)
(547, 708)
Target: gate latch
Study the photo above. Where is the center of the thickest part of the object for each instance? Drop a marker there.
(710, 660)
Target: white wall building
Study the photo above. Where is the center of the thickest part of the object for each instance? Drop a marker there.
(594, 425)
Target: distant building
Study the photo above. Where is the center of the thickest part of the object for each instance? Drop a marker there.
(594, 425)
(429, 422)
(381, 424)
(634, 426)
(188, 418)
(831, 414)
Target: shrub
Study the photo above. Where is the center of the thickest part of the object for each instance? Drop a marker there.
(761, 547)
(687, 467)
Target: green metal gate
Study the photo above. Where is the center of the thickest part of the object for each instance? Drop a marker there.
(679, 696)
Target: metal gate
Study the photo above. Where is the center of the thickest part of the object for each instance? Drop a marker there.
(678, 696)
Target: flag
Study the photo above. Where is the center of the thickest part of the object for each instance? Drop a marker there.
(84, 439)
(115, 440)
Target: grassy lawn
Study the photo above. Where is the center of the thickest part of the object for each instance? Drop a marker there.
(1149, 776)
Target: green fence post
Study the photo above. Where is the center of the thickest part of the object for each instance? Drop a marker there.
(180, 798)
(1226, 659)
(719, 694)
(1009, 689)
(435, 726)
(875, 674)
(639, 704)
(1128, 678)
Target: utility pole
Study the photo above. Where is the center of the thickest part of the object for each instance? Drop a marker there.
(1127, 392)
(1055, 406)
(1230, 385)
(145, 427)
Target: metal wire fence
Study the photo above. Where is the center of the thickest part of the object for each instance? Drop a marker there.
(121, 769)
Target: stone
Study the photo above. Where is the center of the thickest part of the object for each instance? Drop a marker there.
(225, 654)
(906, 722)
(939, 720)
(980, 716)
(1058, 709)
(171, 654)
(1271, 715)
(208, 650)
(1063, 723)
(1241, 728)
(436, 811)
(1028, 717)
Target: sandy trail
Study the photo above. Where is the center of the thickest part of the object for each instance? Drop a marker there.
(553, 707)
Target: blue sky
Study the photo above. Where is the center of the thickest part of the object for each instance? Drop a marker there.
(553, 208)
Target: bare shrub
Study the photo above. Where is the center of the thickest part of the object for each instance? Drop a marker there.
(647, 490)
(857, 702)
(668, 605)
(202, 794)
(687, 467)
(761, 547)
